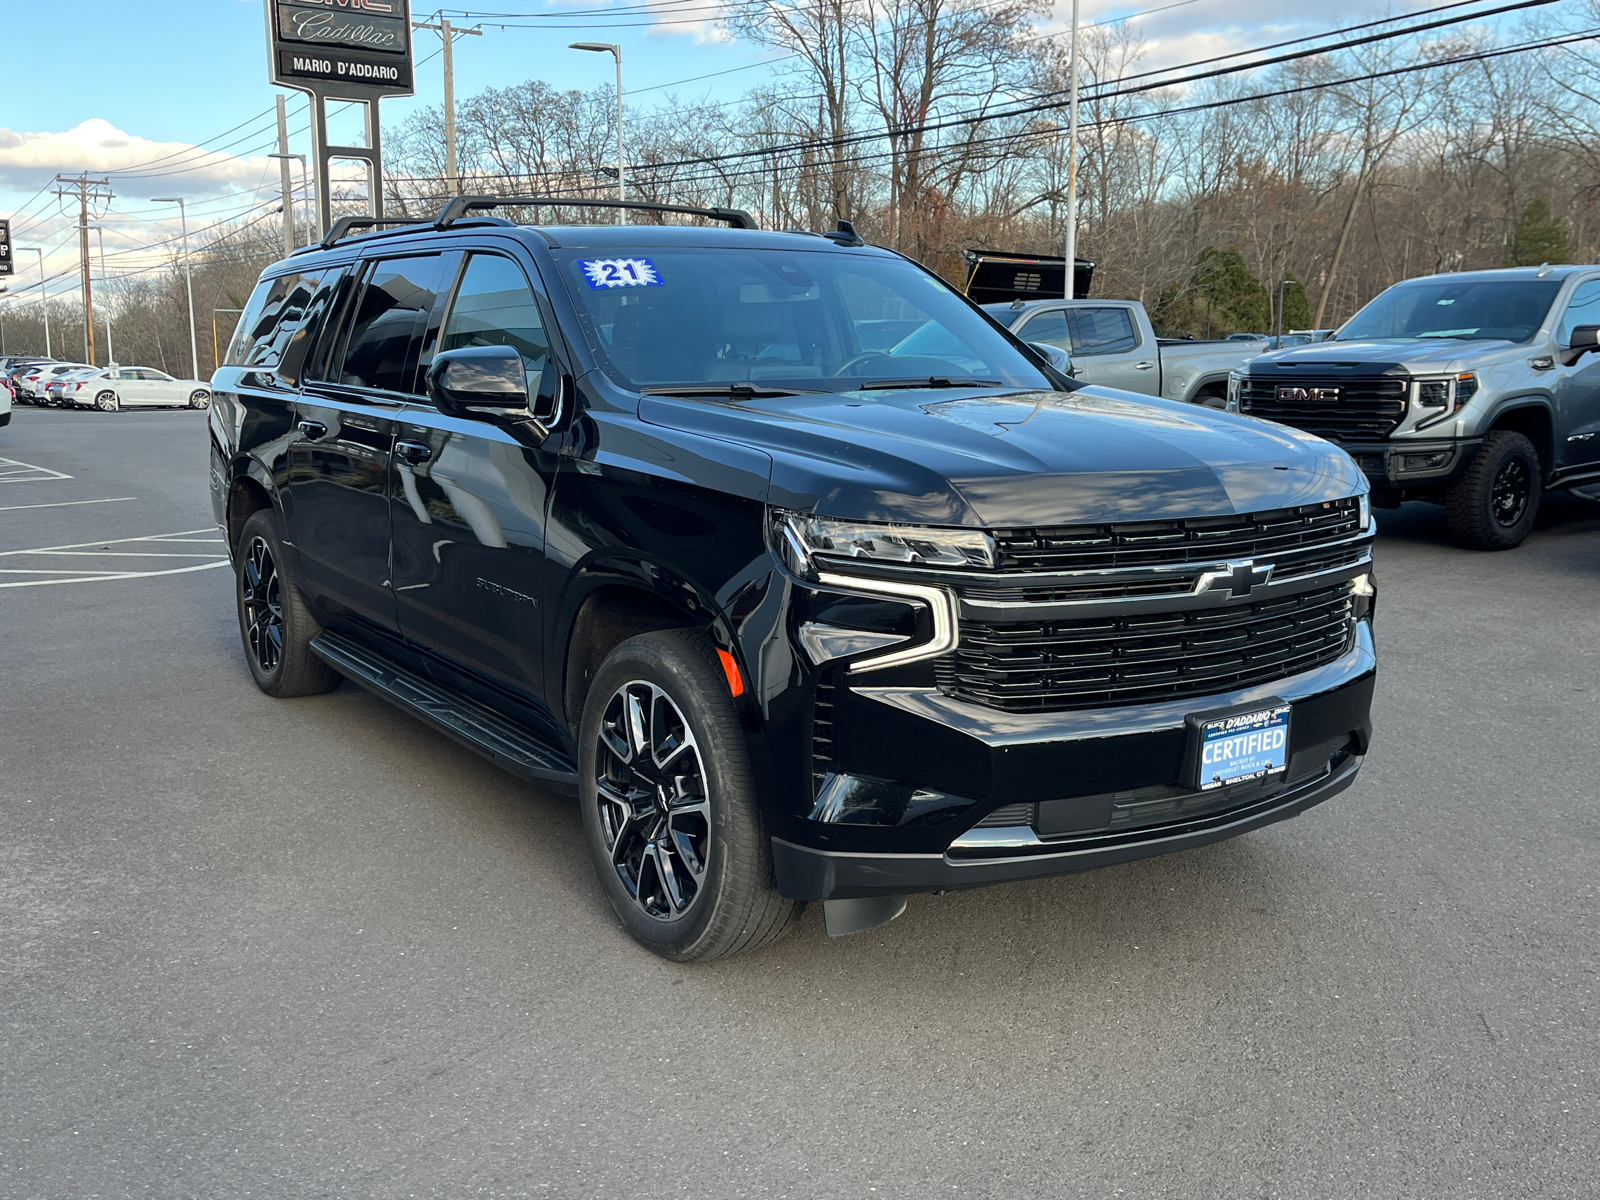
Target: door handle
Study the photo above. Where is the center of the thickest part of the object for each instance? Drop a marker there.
(1144, 366)
(414, 452)
(313, 429)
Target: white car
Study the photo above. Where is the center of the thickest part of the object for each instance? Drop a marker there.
(31, 383)
(133, 387)
(5, 403)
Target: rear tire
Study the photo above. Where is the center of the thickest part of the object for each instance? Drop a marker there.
(1494, 505)
(669, 805)
(274, 620)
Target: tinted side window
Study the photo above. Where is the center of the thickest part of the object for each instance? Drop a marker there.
(1582, 309)
(270, 319)
(494, 306)
(386, 324)
(1049, 328)
(1101, 331)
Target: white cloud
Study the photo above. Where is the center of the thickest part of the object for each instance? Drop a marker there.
(28, 160)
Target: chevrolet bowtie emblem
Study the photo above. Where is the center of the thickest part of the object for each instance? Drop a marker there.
(1240, 577)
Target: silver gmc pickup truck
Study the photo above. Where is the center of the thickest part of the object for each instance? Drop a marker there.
(1477, 390)
(1112, 344)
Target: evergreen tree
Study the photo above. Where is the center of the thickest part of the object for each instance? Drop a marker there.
(1539, 237)
(1228, 298)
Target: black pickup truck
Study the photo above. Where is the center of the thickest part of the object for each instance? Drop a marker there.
(810, 580)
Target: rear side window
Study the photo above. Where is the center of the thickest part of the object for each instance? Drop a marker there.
(385, 326)
(270, 319)
(1049, 328)
(494, 306)
(1100, 331)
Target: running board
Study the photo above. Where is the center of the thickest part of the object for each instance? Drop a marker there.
(502, 742)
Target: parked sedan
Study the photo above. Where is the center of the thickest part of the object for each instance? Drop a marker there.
(31, 383)
(134, 387)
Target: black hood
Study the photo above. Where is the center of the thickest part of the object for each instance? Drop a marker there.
(1019, 458)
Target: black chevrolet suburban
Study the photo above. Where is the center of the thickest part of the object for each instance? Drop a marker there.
(810, 580)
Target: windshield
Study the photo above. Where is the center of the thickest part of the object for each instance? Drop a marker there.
(808, 320)
(1512, 310)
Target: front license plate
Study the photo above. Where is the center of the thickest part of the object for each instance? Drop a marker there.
(1238, 745)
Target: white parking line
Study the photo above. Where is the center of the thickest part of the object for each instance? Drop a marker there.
(12, 471)
(66, 503)
(85, 572)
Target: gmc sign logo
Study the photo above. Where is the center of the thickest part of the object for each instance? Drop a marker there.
(1301, 395)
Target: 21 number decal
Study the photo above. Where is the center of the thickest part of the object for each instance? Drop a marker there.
(621, 272)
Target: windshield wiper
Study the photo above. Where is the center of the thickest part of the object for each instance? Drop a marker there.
(931, 381)
(734, 391)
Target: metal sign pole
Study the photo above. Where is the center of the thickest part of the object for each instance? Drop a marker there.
(359, 51)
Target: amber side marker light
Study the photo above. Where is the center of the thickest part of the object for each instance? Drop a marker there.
(731, 670)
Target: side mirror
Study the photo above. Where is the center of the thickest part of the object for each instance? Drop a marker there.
(479, 379)
(1584, 339)
(1054, 355)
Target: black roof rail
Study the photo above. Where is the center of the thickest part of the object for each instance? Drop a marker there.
(342, 227)
(460, 206)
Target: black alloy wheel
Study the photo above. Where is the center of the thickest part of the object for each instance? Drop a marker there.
(1513, 488)
(261, 597)
(655, 810)
(1494, 504)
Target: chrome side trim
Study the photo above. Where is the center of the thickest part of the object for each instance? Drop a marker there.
(824, 643)
(941, 604)
(998, 837)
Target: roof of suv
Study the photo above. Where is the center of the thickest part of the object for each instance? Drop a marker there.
(1552, 271)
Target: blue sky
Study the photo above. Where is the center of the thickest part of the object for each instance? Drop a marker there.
(105, 85)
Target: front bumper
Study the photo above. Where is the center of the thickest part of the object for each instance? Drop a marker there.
(1397, 465)
(804, 873)
(928, 777)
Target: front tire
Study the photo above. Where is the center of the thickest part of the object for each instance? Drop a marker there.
(274, 620)
(1494, 505)
(107, 402)
(669, 806)
(199, 399)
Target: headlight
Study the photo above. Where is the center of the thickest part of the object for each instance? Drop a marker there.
(1440, 397)
(800, 537)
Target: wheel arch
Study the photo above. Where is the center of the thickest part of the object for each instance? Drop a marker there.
(1530, 416)
(247, 494)
(608, 602)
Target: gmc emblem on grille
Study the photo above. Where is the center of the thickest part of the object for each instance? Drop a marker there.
(1299, 395)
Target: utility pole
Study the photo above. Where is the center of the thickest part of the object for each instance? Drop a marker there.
(449, 33)
(1072, 166)
(85, 189)
(285, 184)
(100, 232)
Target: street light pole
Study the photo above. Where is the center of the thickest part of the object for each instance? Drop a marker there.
(1072, 166)
(105, 289)
(616, 53)
(188, 279)
(3, 291)
(44, 301)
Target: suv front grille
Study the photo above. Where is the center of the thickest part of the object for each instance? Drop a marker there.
(1366, 409)
(1100, 662)
(1163, 543)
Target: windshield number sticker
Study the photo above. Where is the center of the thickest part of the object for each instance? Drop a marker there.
(621, 272)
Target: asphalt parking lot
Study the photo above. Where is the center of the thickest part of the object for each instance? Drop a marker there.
(309, 948)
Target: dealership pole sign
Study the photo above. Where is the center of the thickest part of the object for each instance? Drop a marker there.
(6, 265)
(356, 50)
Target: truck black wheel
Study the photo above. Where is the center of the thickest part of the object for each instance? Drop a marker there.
(274, 621)
(1493, 506)
(669, 807)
